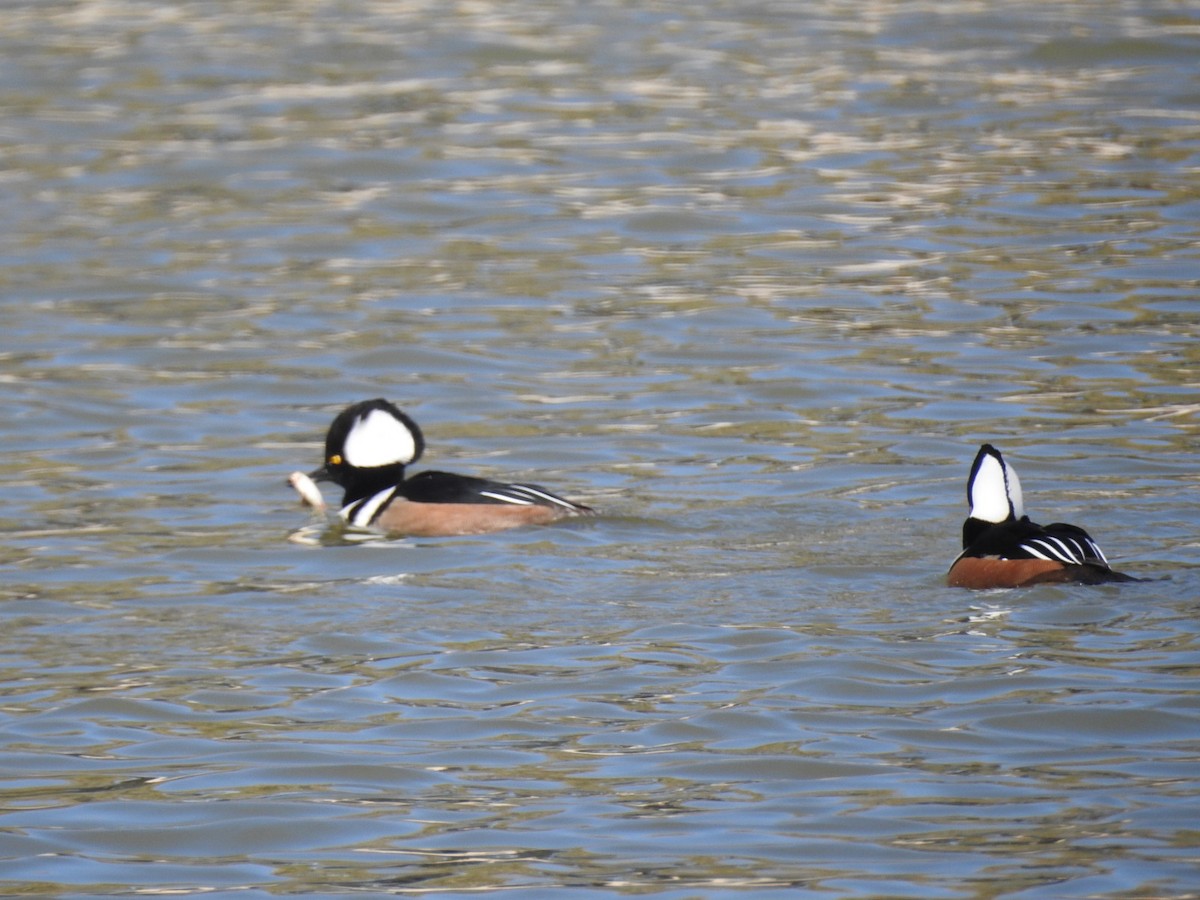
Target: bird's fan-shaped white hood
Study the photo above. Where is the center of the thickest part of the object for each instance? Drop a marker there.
(379, 439)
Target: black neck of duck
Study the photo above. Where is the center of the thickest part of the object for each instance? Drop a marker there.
(358, 484)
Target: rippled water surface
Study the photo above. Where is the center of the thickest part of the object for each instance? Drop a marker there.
(756, 280)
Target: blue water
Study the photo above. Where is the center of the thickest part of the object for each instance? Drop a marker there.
(755, 281)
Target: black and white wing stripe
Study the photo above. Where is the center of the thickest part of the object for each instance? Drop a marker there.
(445, 487)
(525, 495)
(1052, 548)
(1068, 544)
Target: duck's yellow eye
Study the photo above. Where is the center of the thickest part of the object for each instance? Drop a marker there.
(335, 460)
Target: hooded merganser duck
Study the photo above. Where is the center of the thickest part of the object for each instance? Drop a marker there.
(1003, 549)
(367, 449)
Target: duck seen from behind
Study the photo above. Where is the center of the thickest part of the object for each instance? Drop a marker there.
(368, 448)
(1002, 548)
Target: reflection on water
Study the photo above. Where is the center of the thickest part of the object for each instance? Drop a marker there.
(754, 280)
